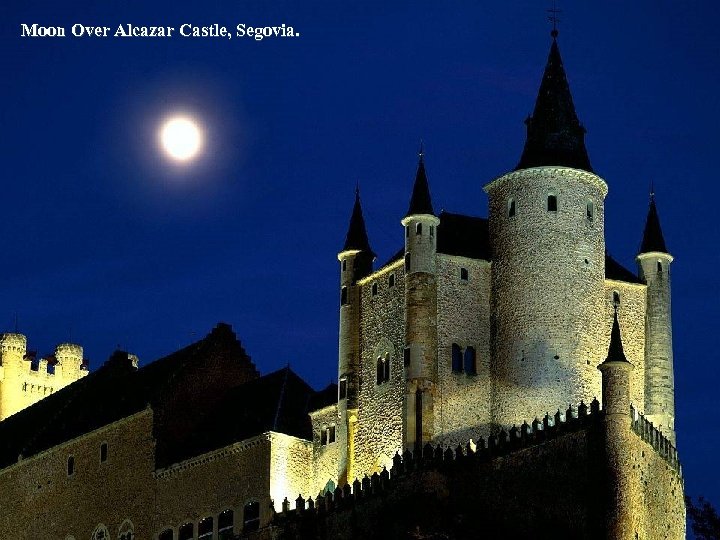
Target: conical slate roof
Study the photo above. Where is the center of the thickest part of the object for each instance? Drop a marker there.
(652, 236)
(615, 350)
(554, 133)
(357, 237)
(420, 202)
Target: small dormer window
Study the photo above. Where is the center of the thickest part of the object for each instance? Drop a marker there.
(418, 229)
(511, 208)
(552, 203)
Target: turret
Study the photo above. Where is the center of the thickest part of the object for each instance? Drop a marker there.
(356, 260)
(654, 270)
(547, 238)
(69, 358)
(622, 485)
(13, 348)
(420, 353)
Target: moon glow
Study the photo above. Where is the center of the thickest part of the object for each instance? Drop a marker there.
(181, 138)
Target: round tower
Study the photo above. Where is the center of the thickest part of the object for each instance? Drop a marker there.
(546, 222)
(13, 348)
(356, 260)
(654, 270)
(420, 353)
(70, 358)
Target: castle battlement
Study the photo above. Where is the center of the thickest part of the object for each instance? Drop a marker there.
(655, 438)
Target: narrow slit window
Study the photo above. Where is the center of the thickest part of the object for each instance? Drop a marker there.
(552, 203)
(418, 228)
(344, 265)
(386, 367)
(432, 231)
(391, 280)
(590, 211)
(659, 267)
(342, 388)
(457, 359)
(511, 208)
(616, 298)
(470, 361)
(464, 274)
(343, 296)
(406, 356)
(379, 370)
(407, 262)
(323, 436)
(103, 452)
(71, 465)
(331, 434)
(374, 289)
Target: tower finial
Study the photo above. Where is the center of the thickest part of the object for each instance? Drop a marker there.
(357, 189)
(421, 152)
(652, 189)
(553, 18)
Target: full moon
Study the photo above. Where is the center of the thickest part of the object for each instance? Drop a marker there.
(181, 138)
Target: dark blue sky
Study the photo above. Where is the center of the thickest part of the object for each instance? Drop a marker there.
(104, 242)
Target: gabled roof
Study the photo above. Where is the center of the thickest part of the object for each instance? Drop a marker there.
(420, 202)
(653, 239)
(465, 236)
(554, 133)
(615, 270)
(357, 237)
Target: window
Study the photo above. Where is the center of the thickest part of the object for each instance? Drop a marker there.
(407, 231)
(590, 211)
(186, 532)
(331, 434)
(205, 529)
(327, 435)
(391, 280)
(101, 533)
(323, 436)
(374, 289)
(432, 231)
(464, 274)
(418, 229)
(126, 531)
(71, 465)
(342, 388)
(552, 203)
(659, 267)
(406, 356)
(167, 534)
(470, 364)
(225, 525)
(383, 369)
(407, 262)
(616, 298)
(251, 516)
(344, 265)
(103, 452)
(457, 360)
(343, 296)
(511, 208)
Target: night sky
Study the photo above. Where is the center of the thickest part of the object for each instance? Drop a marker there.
(108, 245)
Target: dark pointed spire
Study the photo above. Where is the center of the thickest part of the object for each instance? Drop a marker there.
(554, 133)
(357, 238)
(615, 350)
(420, 202)
(652, 236)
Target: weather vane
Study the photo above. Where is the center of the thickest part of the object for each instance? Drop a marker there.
(553, 18)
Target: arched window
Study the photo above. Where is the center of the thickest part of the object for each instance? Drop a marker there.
(590, 211)
(167, 534)
(391, 280)
(407, 262)
(383, 369)
(126, 531)
(418, 228)
(101, 533)
(470, 363)
(186, 532)
(379, 371)
(205, 528)
(342, 388)
(343, 296)
(511, 208)
(251, 516)
(103, 452)
(71, 465)
(457, 359)
(616, 298)
(225, 525)
(344, 265)
(659, 267)
(552, 203)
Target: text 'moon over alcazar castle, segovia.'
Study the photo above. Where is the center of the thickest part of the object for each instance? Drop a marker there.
(499, 377)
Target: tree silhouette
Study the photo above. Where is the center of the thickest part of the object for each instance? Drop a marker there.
(704, 519)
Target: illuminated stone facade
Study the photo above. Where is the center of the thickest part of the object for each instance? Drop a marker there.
(25, 379)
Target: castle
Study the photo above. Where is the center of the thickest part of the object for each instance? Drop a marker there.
(454, 357)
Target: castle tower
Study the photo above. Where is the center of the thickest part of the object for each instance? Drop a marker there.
(420, 353)
(654, 270)
(70, 358)
(356, 260)
(622, 486)
(13, 348)
(546, 222)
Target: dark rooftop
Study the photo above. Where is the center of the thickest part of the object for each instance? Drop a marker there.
(653, 239)
(420, 201)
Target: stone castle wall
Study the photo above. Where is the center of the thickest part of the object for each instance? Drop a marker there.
(325, 457)
(462, 409)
